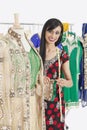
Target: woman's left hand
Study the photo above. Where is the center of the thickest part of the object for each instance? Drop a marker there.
(61, 82)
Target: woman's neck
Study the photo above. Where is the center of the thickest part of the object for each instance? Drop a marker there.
(50, 51)
(50, 47)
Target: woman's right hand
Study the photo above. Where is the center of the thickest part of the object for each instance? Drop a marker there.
(47, 89)
(46, 79)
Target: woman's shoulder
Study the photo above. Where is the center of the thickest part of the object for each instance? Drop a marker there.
(61, 51)
(64, 55)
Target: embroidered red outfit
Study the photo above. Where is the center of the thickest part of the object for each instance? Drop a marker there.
(52, 108)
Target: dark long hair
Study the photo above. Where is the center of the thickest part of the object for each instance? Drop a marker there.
(49, 25)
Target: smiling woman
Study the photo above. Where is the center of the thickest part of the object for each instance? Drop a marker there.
(54, 61)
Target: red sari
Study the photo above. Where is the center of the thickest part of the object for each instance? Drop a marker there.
(52, 108)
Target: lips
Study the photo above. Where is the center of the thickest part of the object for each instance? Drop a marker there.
(51, 40)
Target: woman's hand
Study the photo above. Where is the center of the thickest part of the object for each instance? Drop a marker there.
(46, 79)
(47, 86)
(61, 82)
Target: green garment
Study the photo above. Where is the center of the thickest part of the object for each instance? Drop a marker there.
(54, 91)
(35, 66)
(74, 50)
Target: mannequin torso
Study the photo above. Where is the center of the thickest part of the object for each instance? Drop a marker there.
(24, 41)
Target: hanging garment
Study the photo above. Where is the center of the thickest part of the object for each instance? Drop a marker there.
(35, 40)
(74, 50)
(66, 26)
(85, 58)
(83, 87)
(84, 29)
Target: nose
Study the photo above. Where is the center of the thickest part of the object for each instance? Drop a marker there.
(53, 34)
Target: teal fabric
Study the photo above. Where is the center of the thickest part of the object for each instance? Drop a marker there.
(54, 91)
(71, 95)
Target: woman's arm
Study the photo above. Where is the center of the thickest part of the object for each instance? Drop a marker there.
(67, 81)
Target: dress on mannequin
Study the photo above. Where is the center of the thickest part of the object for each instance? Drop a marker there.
(22, 71)
(21, 33)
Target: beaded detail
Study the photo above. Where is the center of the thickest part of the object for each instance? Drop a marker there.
(17, 36)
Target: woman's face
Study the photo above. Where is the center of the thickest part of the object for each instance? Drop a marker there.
(52, 36)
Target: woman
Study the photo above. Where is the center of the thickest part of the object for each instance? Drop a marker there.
(55, 61)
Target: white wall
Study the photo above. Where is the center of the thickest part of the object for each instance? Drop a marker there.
(38, 11)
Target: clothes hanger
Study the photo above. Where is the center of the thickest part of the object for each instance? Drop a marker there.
(70, 32)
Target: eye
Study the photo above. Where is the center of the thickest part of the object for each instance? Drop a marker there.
(57, 32)
(49, 31)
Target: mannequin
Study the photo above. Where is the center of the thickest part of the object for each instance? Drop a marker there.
(18, 29)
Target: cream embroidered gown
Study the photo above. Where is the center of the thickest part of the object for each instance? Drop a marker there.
(20, 103)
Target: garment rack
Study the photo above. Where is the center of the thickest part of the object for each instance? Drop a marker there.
(23, 24)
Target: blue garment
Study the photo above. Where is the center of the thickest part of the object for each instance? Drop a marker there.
(60, 46)
(36, 41)
(82, 91)
(81, 76)
(84, 29)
